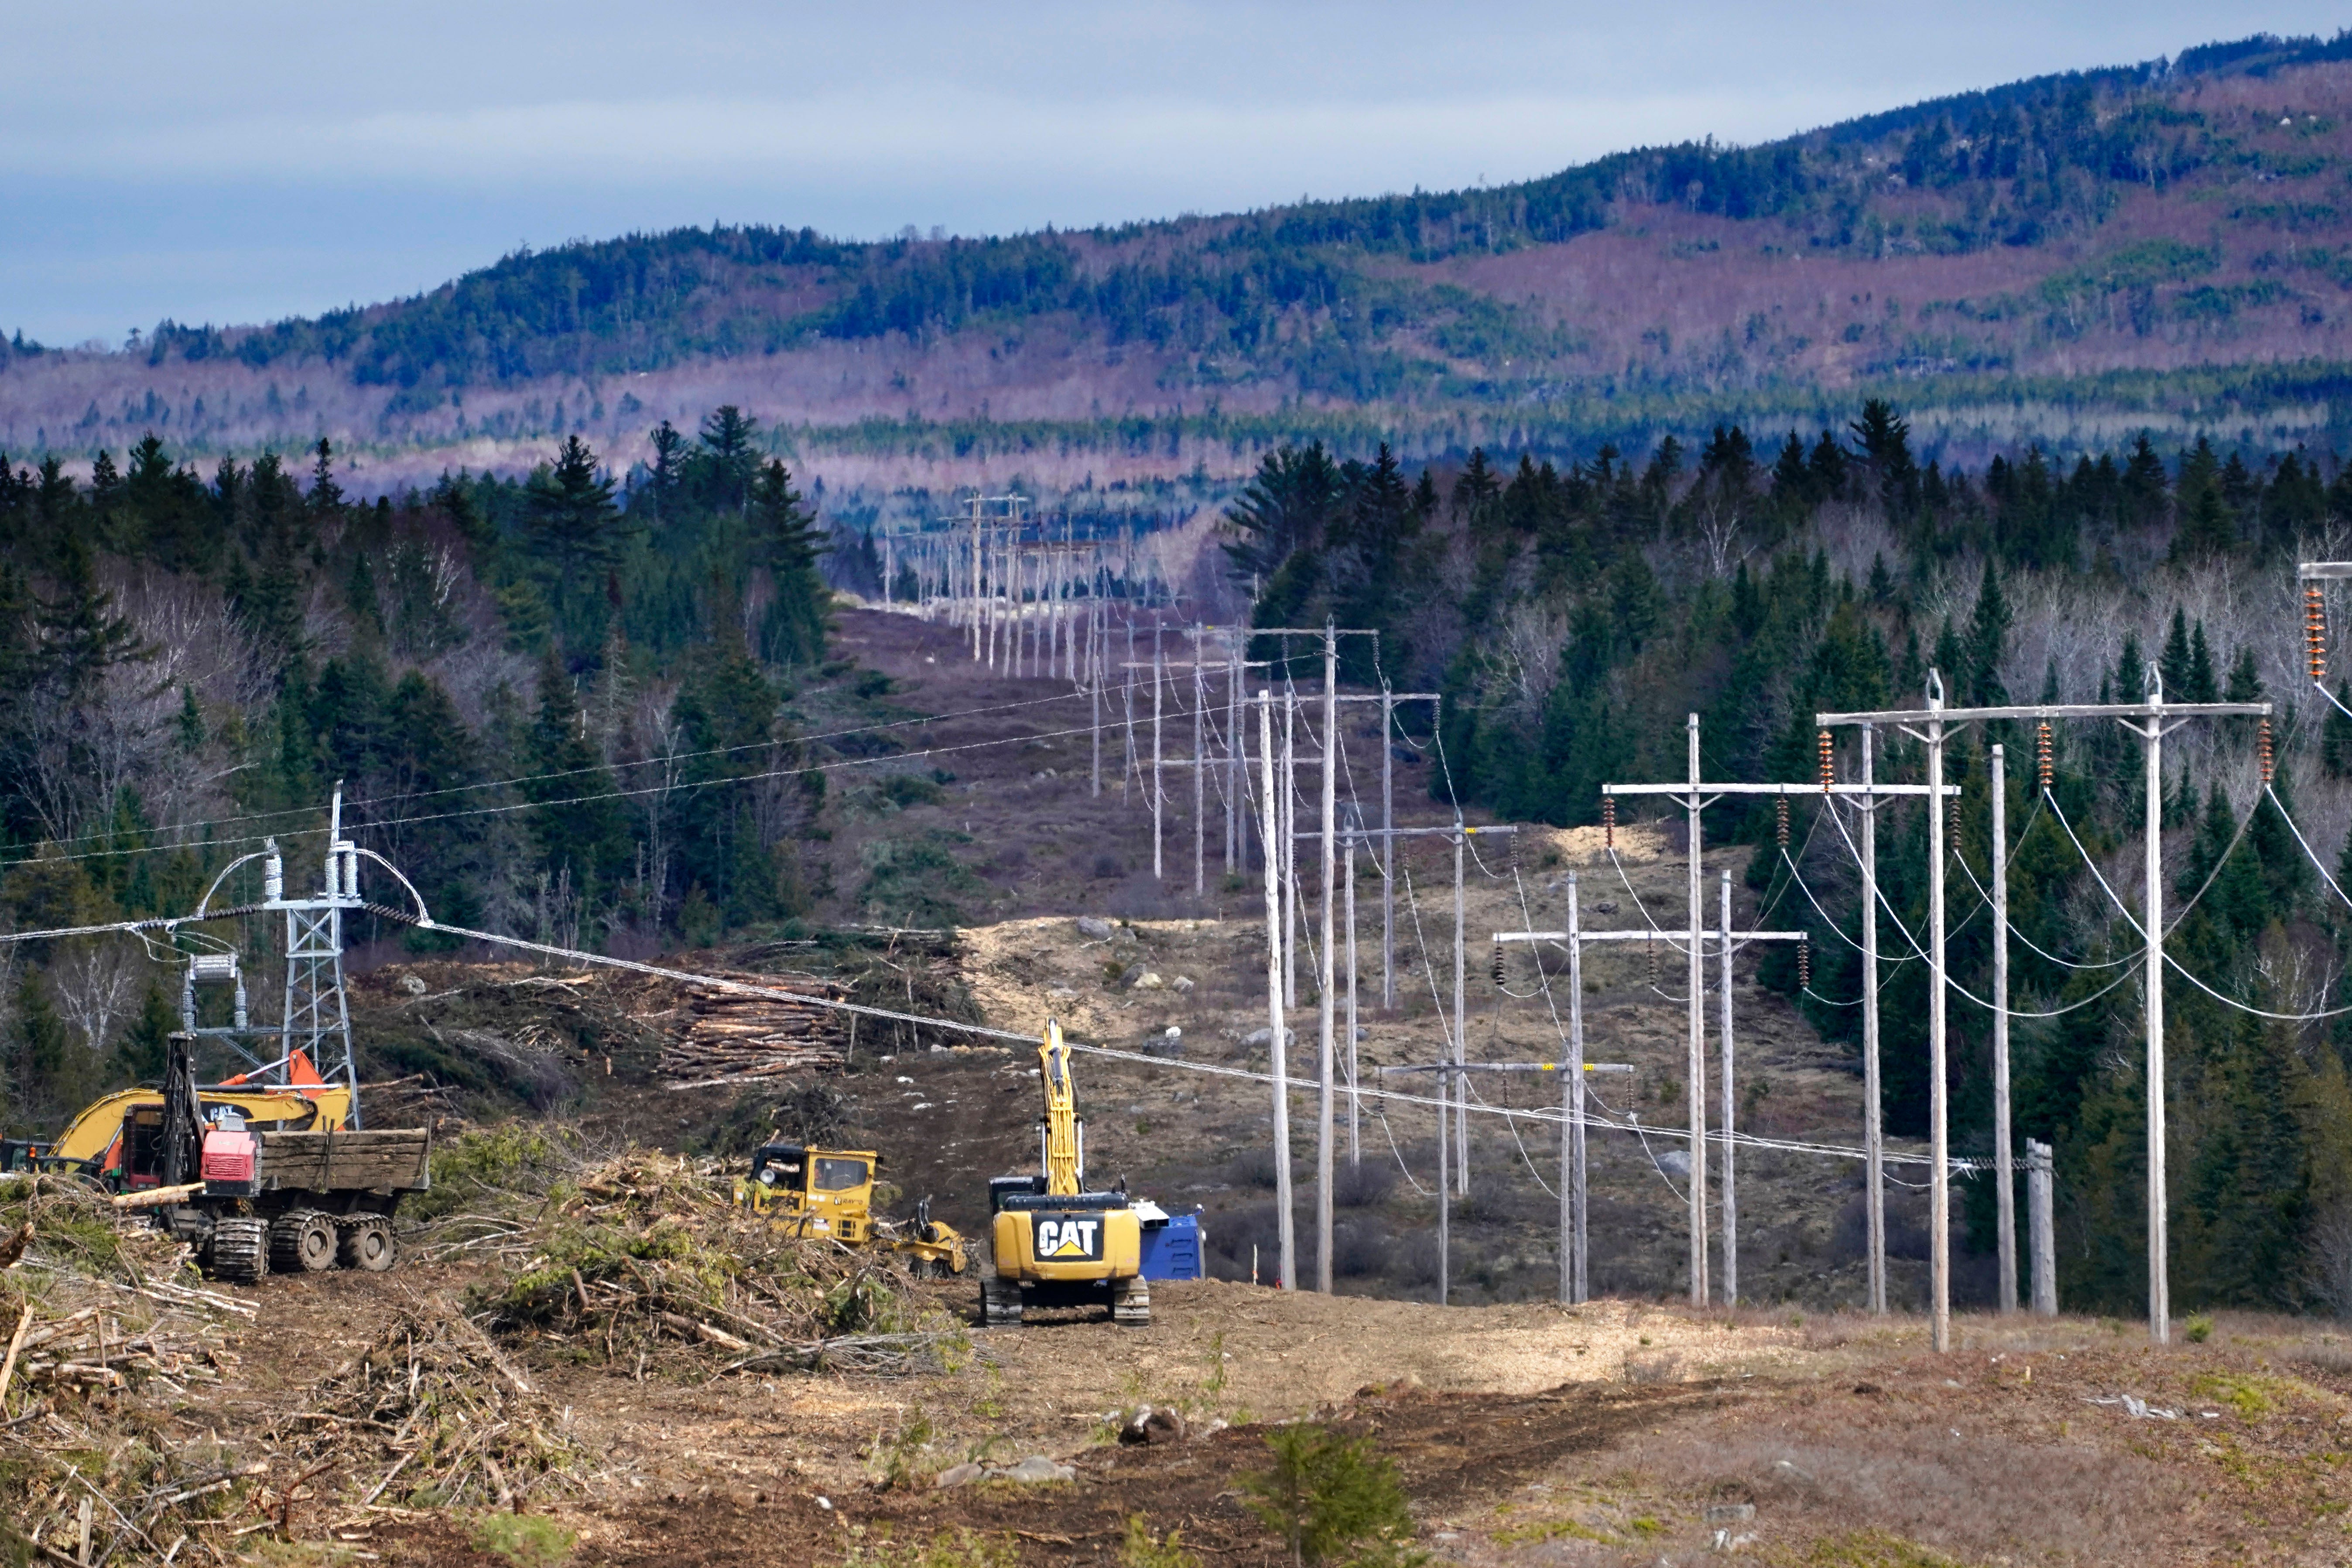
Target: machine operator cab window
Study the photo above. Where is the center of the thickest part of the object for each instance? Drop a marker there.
(789, 1168)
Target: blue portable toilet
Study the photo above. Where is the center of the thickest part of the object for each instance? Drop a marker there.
(1171, 1243)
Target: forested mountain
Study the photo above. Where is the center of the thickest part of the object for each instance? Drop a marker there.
(2163, 245)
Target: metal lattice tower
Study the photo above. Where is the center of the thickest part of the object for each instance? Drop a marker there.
(315, 1016)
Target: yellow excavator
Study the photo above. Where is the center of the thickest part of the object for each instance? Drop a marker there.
(829, 1193)
(1058, 1244)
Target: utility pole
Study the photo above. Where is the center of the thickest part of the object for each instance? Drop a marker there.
(1575, 1284)
(2004, 1187)
(1348, 881)
(1388, 849)
(1461, 1019)
(1326, 1058)
(1730, 1148)
(1200, 773)
(1939, 1089)
(2151, 721)
(1695, 795)
(1158, 795)
(1574, 939)
(1275, 1045)
(1873, 1112)
(1572, 1070)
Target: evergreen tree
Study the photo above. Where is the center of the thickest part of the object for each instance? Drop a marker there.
(2173, 664)
(793, 630)
(576, 538)
(583, 834)
(1987, 645)
(326, 496)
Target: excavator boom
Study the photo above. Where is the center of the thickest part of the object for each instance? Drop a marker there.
(1061, 1115)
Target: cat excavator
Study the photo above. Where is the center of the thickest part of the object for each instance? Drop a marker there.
(1058, 1244)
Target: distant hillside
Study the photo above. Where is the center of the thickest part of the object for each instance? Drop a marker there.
(2167, 245)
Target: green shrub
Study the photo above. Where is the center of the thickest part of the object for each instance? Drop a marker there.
(527, 1540)
(2198, 1329)
(1141, 1549)
(1332, 1499)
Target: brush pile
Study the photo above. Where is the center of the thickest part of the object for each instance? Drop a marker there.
(718, 1033)
(103, 1328)
(648, 1262)
(430, 1416)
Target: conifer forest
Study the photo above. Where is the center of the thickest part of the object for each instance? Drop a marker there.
(565, 701)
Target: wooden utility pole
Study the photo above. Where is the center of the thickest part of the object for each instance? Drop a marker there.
(1275, 1044)
(1575, 1277)
(1461, 1019)
(1939, 1087)
(2041, 1236)
(2151, 721)
(2004, 1189)
(1873, 1112)
(1348, 881)
(1573, 1070)
(1730, 1148)
(1695, 795)
(1326, 1058)
(1574, 939)
(1200, 773)
(1157, 793)
(1387, 851)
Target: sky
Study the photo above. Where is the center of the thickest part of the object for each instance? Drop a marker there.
(252, 159)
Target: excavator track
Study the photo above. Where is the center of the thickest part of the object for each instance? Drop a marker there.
(999, 1302)
(240, 1250)
(1130, 1301)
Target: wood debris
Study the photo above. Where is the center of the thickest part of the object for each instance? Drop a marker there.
(99, 1315)
(714, 1032)
(650, 1260)
(432, 1414)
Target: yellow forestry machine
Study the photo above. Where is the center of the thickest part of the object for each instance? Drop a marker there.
(829, 1193)
(1055, 1244)
(258, 1178)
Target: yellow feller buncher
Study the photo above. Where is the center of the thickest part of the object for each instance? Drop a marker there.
(1058, 1244)
(829, 1193)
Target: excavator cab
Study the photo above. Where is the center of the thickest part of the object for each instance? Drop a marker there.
(829, 1193)
(813, 1191)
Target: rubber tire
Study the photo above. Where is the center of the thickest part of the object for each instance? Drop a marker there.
(368, 1245)
(239, 1251)
(302, 1241)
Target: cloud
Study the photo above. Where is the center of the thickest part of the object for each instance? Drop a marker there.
(321, 147)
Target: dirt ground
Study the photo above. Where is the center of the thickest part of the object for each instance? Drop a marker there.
(1616, 1433)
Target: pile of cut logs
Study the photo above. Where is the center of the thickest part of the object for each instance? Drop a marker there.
(731, 1034)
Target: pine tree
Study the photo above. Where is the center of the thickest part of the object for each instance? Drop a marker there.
(581, 831)
(1987, 644)
(326, 496)
(2172, 665)
(793, 631)
(2200, 685)
(575, 537)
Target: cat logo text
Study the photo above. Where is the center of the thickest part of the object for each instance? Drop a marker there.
(1070, 1240)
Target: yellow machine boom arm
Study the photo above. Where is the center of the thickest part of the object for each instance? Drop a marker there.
(1061, 1115)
